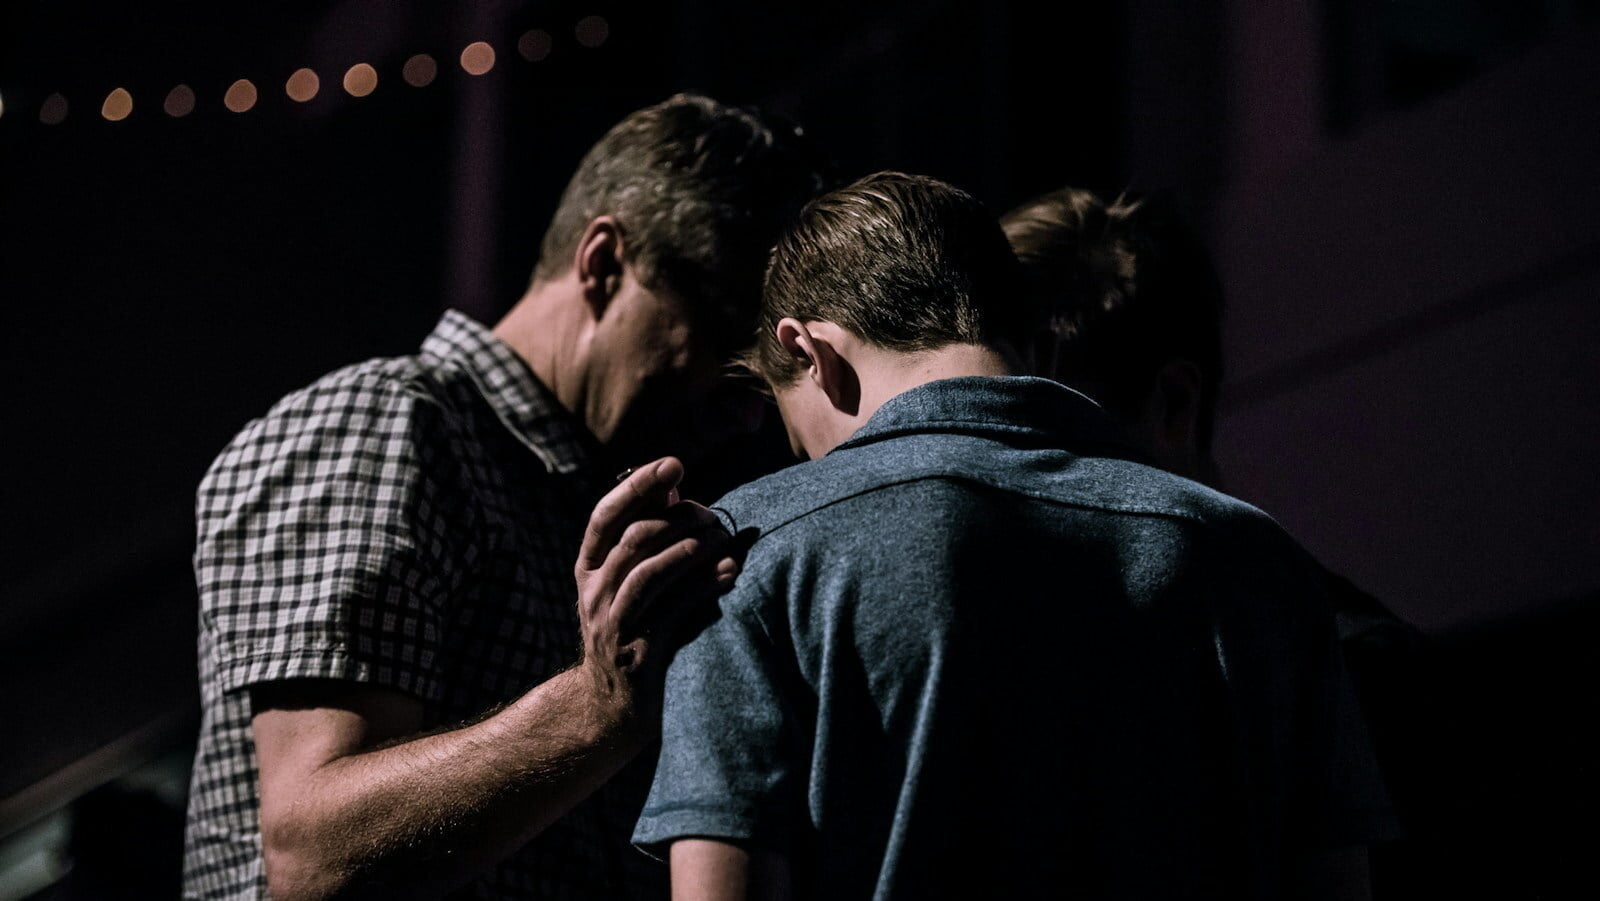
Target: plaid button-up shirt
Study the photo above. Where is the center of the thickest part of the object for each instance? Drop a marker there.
(409, 523)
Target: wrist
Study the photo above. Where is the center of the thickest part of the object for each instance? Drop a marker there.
(613, 706)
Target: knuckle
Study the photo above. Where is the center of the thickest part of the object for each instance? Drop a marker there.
(635, 535)
(604, 512)
(712, 537)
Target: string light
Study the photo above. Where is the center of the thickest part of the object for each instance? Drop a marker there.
(53, 111)
(477, 58)
(241, 96)
(302, 85)
(419, 70)
(118, 105)
(360, 80)
(179, 102)
(592, 31)
(534, 45)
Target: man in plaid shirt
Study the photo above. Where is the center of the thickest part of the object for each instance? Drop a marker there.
(404, 692)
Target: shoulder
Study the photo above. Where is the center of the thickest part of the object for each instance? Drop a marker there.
(365, 459)
(934, 483)
(788, 495)
(376, 398)
(363, 389)
(1228, 527)
(379, 418)
(1108, 485)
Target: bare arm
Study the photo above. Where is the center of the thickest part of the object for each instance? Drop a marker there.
(709, 870)
(346, 808)
(426, 813)
(712, 870)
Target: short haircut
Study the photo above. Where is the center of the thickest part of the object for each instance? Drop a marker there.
(700, 191)
(1129, 287)
(905, 262)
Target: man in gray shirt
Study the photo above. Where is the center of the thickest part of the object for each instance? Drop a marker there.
(903, 698)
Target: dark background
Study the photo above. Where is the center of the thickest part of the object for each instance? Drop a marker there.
(1402, 197)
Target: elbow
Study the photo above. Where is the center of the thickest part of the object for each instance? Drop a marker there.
(294, 870)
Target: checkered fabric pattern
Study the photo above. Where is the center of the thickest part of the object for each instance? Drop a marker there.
(409, 523)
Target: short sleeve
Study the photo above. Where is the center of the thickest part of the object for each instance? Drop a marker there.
(731, 764)
(1342, 798)
(1307, 763)
(328, 540)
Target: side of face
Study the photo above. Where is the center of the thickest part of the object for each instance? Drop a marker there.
(662, 386)
(659, 379)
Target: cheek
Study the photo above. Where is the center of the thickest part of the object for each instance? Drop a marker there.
(652, 335)
(666, 373)
(660, 361)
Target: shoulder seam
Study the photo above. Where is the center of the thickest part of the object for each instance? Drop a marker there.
(1098, 508)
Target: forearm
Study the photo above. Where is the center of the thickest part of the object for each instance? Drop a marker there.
(706, 869)
(424, 814)
(345, 814)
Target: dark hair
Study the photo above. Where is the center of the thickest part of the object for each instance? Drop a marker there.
(906, 262)
(1129, 287)
(700, 191)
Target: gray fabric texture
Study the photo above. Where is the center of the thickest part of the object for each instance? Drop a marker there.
(975, 652)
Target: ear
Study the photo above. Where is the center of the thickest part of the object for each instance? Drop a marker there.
(1177, 400)
(598, 263)
(821, 363)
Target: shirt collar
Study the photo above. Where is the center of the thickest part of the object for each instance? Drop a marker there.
(1022, 407)
(521, 402)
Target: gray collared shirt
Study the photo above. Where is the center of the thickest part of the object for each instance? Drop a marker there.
(972, 653)
(409, 523)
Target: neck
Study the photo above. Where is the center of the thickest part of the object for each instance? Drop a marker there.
(886, 374)
(543, 331)
(897, 373)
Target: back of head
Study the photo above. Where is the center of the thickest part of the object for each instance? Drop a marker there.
(1128, 288)
(904, 262)
(700, 191)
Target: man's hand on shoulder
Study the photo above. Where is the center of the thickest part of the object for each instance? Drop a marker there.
(648, 561)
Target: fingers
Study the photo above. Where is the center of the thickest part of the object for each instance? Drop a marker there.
(661, 629)
(647, 537)
(690, 570)
(642, 545)
(672, 613)
(648, 489)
